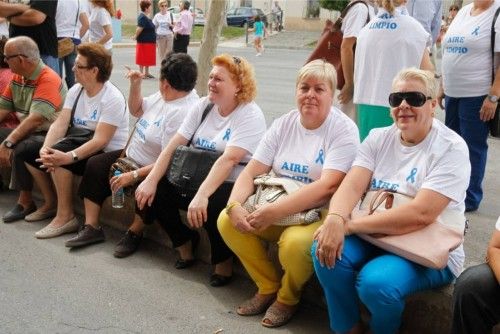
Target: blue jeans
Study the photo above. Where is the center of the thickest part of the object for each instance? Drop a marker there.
(462, 116)
(379, 279)
(68, 62)
(51, 62)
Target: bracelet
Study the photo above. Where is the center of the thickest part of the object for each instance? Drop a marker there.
(344, 221)
(231, 205)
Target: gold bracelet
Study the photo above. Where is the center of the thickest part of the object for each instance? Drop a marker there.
(230, 206)
(344, 221)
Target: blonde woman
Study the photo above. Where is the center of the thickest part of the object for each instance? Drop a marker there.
(164, 23)
(100, 30)
(402, 41)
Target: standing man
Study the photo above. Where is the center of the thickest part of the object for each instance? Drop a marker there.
(183, 28)
(36, 21)
(36, 94)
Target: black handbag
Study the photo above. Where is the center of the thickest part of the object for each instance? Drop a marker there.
(190, 166)
(76, 135)
(495, 122)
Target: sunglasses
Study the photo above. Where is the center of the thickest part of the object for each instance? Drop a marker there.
(414, 99)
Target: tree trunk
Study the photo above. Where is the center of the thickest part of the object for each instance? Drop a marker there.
(209, 42)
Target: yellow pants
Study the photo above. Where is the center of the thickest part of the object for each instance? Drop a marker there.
(294, 251)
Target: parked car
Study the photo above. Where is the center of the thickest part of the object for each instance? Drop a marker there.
(199, 19)
(244, 15)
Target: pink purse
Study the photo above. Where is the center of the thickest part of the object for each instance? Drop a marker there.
(429, 246)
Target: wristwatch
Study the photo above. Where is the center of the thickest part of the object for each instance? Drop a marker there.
(74, 156)
(135, 174)
(493, 98)
(9, 144)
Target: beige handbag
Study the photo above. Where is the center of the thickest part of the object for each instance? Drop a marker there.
(429, 246)
(271, 188)
(65, 46)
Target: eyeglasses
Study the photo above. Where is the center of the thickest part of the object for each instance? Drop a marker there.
(7, 58)
(414, 99)
(81, 67)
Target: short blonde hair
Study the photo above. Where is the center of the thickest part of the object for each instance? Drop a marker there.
(413, 73)
(390, 5)
(161, 2)
(241, 72)
(319, 69)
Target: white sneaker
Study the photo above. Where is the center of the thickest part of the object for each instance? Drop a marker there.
(258, 54)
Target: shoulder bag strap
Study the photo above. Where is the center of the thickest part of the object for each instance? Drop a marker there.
(205, 113)
(76, 19)
(129, 139)
(74, 108)
(338, 23)
(493, 44)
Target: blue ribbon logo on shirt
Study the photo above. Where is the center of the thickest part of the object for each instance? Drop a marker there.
(226, 136)
(320, 159)
(94, 115)
(475, 31)
(411, 177)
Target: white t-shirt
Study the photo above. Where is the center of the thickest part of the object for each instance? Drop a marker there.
(243, 128)
(108, 106)
(467, 59)
(4, 29)
(68, 11)
(160, 121)
(439, 163)
(99, 17)
(301, 154)
(497, 225)
(386, 45)
(355, 19)
(162, 23)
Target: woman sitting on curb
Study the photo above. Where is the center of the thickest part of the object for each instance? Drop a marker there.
(233, 126)
(417, 156)
(98, 106)
(322, 142)
(160, 116)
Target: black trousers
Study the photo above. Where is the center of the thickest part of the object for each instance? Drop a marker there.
(476, 301)
(21, 177)
(181, 43)
(166, 207)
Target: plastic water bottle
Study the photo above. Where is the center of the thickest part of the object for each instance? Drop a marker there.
(118, 197)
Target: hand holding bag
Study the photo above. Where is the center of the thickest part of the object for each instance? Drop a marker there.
(190, 166)
(429, 246)
(270, 189)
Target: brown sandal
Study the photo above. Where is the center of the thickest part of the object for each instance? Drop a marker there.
(255, 305)
(277, 316)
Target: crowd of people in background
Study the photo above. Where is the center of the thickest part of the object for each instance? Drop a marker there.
(378, 131)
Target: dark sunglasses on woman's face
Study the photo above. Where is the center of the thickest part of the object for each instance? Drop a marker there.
(414, 99)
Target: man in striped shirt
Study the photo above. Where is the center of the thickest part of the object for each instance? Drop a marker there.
(36, 94)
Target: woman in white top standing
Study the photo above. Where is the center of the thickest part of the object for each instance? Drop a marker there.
(470, 96)
(100, 23)
(163, 22)
(71, 21)
(393, 40)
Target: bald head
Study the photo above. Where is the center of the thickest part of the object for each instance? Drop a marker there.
(25, 46)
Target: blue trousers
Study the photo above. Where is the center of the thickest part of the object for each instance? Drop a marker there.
(68, 62)
(51, 62)
(380, 280)
(462, 116)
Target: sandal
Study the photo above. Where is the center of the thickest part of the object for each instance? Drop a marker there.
(255, 305)
(277, 316)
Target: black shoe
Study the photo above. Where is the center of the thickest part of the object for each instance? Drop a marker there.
(86, 236)
(183, 264)
(471, 209)
(18, 212)
(217, 280)
(127, 245)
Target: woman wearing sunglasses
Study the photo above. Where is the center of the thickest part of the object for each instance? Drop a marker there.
(417, 156)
